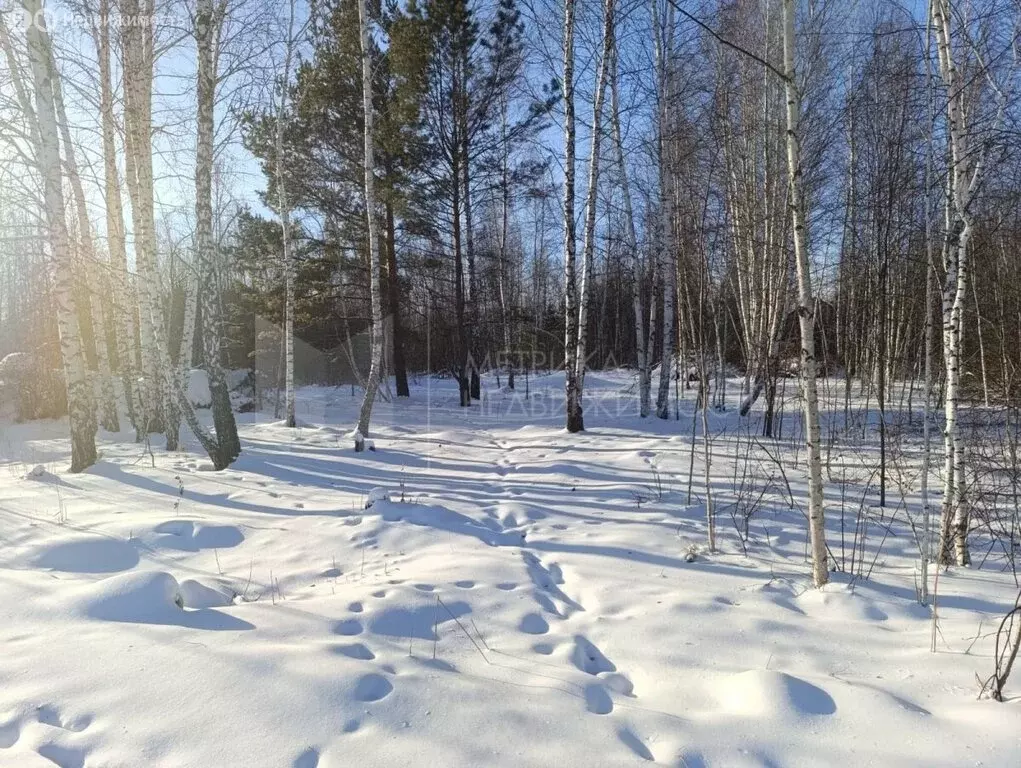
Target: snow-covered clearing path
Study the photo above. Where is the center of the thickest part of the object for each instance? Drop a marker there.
(521, 599)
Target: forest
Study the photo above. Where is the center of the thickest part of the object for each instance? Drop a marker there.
(708, 299)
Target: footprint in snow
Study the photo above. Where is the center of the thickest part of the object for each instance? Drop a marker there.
(372, 687)
(534, 624)
(597, 700)
(348, 627)
(588, 658)
(307, 759)
(64, 756)
(358, 651)
(9, 734)
(636, 745)
(50, 715)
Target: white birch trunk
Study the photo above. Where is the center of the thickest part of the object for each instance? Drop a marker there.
(89, 263)
(806, 301)
(663, 31)
(20, 88)
(925, 544)
(575, 422)
(158, 376)
(966, 168)
(588, 247)
(365, 415)
(81, 416)
(137, 42)
(122, 293)
(285, 228)
(190, 287)
(226, 446)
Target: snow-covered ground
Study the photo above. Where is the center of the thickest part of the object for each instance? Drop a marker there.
(518, 596)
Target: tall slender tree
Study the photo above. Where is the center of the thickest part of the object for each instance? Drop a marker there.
(81, 414)
(225, 446)
(372, 383)
(575, 420)
(806, 300)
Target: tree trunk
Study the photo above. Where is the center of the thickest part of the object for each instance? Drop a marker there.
(89, 263)
(966, 168)
(285, 230)
(122, 294)
(663, 31)
(575, 421)
(227, 444)
(372, 384)
(806, 304)
(505, 207)
(160, 400)
(588, 247)
(393, 282)
(81, 415)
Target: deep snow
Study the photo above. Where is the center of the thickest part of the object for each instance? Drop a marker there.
(482, 590)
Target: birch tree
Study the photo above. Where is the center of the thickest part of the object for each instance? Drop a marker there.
(663, 30)
(81, 416)
(89, 266)
(285, 224)
(225, 447)
(575, 422)
(114, 209)
(968, 151)
(753, 147)
(588, 247)
(376, 299)
(806, 301)
(157, 377)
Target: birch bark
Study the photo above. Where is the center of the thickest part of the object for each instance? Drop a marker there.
(588, 246)
(365, 415)
(575, 422)
(81, 416)
(666, 255)
(227, 444)
(806, 303)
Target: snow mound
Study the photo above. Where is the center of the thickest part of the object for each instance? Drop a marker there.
(37, 472)
(764, 693)
(376, 494)
(152, 597)
(840, 602)
(192, 535)
(198, 388)
(512, 514)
